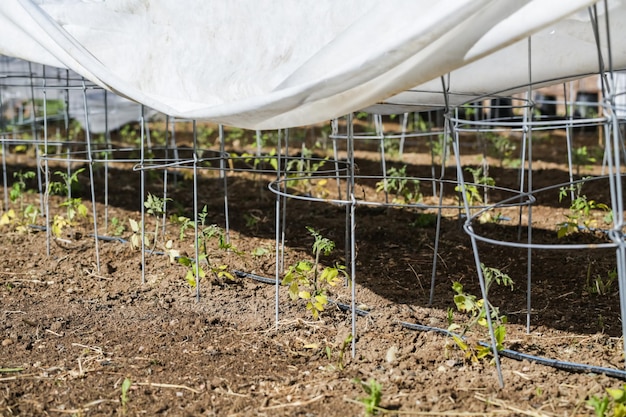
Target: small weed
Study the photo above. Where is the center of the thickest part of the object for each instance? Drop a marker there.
(117, 228)
(598, 284)
(374, 392)
(340, 365)
(424, 220)
(124, 399)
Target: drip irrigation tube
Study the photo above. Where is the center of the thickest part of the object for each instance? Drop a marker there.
(511, 354)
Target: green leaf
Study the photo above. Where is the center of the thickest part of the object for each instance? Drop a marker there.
(460, 343)
(190, 277)
(134, 226)
(500, 334)
(185, 261)
(618, 394)
(82, 210)
(294, 290)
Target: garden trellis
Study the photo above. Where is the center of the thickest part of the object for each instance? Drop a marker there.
(277, 65)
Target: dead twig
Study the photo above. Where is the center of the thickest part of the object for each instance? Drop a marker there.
(294, 404)
(504, 405)
(157, 385)
(431, 413)
(419, 281)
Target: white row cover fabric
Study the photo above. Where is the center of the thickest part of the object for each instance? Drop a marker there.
(265, 64)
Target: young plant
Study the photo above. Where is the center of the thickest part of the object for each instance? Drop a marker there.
(117, 228)
(124, 395)
(374, 392)
(439, 149)
(405, 190)
(26, 213)
(306, 282)
(598, 284)
(135, 228)
(206, 233)
(503, 148)
(342, 352)
(305, 168)
(581, 216)
(155, 206)
(476, 308)
(18, 189)
(582, 157)
(74, 206)
(611, 405)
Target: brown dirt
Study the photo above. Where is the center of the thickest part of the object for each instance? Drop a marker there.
(71, 333)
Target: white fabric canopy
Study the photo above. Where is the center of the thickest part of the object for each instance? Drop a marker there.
(267, 64)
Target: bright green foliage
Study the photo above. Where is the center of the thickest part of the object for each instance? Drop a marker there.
(503, 148)
(374, 392)
(342, 352)
(611, 405)
(66, 185)
(470, 304)
(117, 226)
(190, 276)
(155, 206)
(304, 168)
(19, 186)
(581, 216)
(439, 149)
(124, 396)
(307, 283)
(74, 207)
(582, 157)
(26, 214)
(472, 193)
(206, 233)
(404, 189)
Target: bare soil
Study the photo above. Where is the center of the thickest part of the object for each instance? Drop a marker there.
(71, 332)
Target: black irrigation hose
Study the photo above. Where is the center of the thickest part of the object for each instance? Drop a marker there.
(508, 353)
(511, 354)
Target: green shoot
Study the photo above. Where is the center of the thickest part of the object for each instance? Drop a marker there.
(404, 189)
(581, 211)
(307, 283)
(373, 389)
(124, 396)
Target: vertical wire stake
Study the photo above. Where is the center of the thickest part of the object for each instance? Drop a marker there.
(142, 175)
(93, 192)
(278, 231)
(195, 209)
(225, 184)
